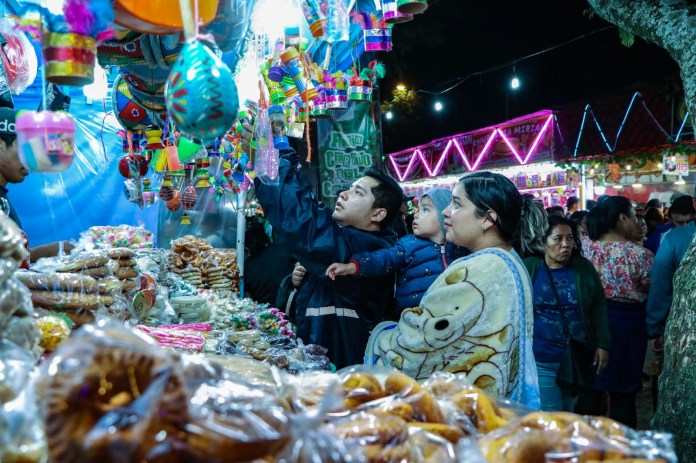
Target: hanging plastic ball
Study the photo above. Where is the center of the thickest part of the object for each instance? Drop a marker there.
(175, 203)
(133, 166)
(190, 196)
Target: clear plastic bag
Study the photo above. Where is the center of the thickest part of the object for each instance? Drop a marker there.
(121, 236)
(110, 395)
(16, 363)
(19, 57)
(22, 436)
(562, 436)
(12, 247)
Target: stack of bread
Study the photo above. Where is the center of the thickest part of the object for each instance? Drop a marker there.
(127, 268)
(196, 261)
(76, 295)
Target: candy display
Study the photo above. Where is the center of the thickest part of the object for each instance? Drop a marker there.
(123, 236)
(54, 330)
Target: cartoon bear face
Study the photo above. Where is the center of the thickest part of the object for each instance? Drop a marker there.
(446, 313)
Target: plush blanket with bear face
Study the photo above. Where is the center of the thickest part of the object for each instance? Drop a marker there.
(476, 318)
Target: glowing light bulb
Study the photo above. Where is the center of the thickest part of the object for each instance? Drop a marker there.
(389, 115)
(401, 87)
(515, 83)
(628, 167)
(660, 165)
(438, 106)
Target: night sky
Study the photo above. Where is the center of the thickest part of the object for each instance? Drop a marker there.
(454, 38)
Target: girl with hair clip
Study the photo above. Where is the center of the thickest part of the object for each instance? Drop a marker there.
(477, 317)
(624, 270)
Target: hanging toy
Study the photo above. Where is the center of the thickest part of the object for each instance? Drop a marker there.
(202, 174)
(336, 95)
(133, 166)
(166, 192)
(185, 219)
(377, 34)
(190, 195)
(391, 14)
(295, 69)
(314, 16)
(148, 194)
(275, 90)
(45, 140)
(412, 6)
(175, 203)
(201, 96)
(360, 88)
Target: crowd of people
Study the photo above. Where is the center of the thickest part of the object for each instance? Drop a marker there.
(431, 300)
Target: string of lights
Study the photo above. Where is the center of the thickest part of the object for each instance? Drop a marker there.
(460, 80)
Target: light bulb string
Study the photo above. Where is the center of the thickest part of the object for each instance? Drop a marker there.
(460, 80)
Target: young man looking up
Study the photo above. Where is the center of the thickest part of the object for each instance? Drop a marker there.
(335, 314)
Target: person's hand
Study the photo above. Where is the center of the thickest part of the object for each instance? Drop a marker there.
(658, 344)
(298, 274)
(601, 360)
(339, 270)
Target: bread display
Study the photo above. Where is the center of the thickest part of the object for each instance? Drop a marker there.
(197, 262)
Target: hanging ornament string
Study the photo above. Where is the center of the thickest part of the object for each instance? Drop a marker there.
(190, 25)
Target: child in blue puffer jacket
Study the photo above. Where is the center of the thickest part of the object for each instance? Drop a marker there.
(417, 259)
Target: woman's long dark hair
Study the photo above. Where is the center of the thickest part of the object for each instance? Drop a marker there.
(555, 221)
(490, 191)
(605, 215)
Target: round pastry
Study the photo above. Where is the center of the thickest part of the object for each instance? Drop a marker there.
(54, 300)
(120, 253)
(372, 429)
(99, 272)
(388, 454)
(79, 317)
(424, 404)
(397, 407)
(125, 273)
(103, 378)
(479, 408)
(450, 433)
(58, 282)
(84, 262)
(129, 285)
(360, 387)
(109, 285)
(126, 262)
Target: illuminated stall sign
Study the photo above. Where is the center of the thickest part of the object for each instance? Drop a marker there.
(519, 141)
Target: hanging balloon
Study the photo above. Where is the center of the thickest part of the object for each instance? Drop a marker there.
(199, 72)
(130, 114)
(19, 57)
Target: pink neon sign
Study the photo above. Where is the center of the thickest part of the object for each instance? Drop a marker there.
(417, 156)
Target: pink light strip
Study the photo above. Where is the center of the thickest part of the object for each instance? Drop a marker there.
(418, 156)
(484, 151)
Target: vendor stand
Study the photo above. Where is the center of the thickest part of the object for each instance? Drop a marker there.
(136, 347)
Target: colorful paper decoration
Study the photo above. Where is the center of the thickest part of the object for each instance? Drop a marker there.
(199, 72)
(45, 140)
(69, 58)
(391, 14)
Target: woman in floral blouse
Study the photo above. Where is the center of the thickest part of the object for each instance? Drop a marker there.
(624, 269)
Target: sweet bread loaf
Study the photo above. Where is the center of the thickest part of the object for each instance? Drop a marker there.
(55, 300)
(424, 405)
(64, 282)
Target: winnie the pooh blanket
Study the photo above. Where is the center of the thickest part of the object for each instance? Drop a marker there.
(476, 318)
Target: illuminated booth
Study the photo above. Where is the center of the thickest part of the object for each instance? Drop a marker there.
(524, 149)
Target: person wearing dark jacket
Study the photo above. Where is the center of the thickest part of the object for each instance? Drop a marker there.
(416, 259)
(568, 301)
(335, 314)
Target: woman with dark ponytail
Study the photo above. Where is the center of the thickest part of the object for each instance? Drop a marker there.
(477, 316)
(624, 270)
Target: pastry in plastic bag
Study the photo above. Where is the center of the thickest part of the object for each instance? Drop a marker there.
(109, 395)
(16, 364)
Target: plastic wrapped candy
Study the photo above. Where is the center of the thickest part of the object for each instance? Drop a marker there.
(122, 236)
(54, 331)
(18, 57)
